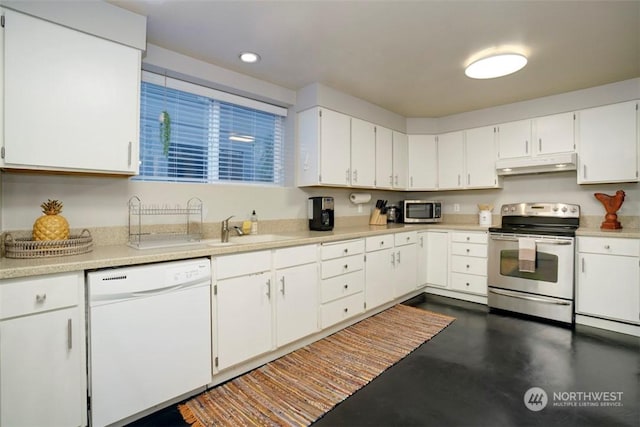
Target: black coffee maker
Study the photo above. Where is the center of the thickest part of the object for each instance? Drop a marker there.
(320, 210)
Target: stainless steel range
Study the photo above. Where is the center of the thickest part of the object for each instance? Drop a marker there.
(531, 260)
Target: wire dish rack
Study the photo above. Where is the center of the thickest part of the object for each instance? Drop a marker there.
(183, 224)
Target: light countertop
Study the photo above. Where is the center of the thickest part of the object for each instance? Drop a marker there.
(123, 255)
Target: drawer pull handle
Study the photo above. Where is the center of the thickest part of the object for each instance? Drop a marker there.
(467, 265)
(346, 266)
(41, 298)
(468, 238)
(607, 247)
(69, 334)
(346, 310)
(467, 283)
(268, 288)
(282, 281)
(382, 243)
(346, 286)
(346, 251)
(468, 250)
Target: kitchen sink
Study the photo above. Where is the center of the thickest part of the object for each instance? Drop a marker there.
(258, 238)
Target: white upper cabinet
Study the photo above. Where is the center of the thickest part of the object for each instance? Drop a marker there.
(71, 100)
(400, 160)
(363, 153)
(554, 134)
(384, 158)
(451, 160)
(480, 158)
(514, 139)
(324, 138)
(607, 143)
(423, 162)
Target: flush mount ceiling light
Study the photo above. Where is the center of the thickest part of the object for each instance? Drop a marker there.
(249, 57)
(496, 66)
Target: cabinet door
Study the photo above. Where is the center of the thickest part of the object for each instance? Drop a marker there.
(384, 157)
(363, 153)
(554, 134)
(437, 258)
(379, 277)
(450, 160)
(335, 148)
(243, 318)
(297, 302)
(422, 259)
(400, 160)
(608, 144)
(41, 369)
(514, 139)
(406, 275)
(608, 286)
(71, 99)
(480, 158)
(423, 162)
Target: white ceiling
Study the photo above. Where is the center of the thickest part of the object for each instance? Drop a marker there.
(407, 56)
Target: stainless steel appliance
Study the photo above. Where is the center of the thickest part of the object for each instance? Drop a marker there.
(531, 260)
(420, 211)
(393, 214)
(320, 212)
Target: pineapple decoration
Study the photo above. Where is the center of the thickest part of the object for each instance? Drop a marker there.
(51, 225)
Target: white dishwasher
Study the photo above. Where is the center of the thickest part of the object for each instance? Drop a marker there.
(149, 331)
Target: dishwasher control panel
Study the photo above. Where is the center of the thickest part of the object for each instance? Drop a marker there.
(188, 273)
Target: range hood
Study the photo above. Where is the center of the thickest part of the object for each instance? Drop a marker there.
(551, 163)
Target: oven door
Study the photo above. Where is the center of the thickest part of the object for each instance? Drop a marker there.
(554, 266)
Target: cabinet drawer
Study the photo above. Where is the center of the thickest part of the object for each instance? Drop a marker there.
(342, 249)
(376, 243)
(469, 237)
(342, 286)
(295, 255)
(241, 264)
(339, 310)
(608, 245)
(469, 265)
(335, 267)
(469, 249)
(406, 238)
(469, 283)
(41, 293)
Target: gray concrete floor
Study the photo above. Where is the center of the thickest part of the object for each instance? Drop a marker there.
(477, 371)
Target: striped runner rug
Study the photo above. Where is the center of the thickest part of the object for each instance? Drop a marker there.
(300, 387)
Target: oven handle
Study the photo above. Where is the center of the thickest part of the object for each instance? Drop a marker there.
(542, 241)
(530, 298)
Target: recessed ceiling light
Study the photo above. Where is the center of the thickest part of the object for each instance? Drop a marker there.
(496, 66)
(249, 57)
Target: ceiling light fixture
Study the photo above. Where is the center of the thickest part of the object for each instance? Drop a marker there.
(496, 66)
(249, 57)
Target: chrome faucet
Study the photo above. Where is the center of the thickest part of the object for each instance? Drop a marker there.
(224, 230)
(239, 231)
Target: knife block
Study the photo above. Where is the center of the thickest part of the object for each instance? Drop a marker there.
(377, 217)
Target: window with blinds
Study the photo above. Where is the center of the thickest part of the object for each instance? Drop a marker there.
(190, 133)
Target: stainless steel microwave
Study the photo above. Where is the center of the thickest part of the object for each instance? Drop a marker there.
(420, 211)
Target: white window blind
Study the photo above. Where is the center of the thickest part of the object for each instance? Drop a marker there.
(214, 136)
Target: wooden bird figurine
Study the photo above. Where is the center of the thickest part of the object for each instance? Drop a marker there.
(611, 204)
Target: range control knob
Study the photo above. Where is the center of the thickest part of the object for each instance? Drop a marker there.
(574, 209)
(564, 209)
(555, 209)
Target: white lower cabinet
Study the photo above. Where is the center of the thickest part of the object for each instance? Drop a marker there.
(406, 262)
(469, 262)
(342, 273)
(42, 351)
(297, 293)
(608, 279)
(379, 271)
(242, 321)
(437, 258)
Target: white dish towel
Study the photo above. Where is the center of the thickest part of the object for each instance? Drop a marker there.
(526, 254)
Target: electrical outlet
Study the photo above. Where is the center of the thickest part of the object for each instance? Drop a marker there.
(456, 207)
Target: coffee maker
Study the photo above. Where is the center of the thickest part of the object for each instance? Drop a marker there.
(320, 211)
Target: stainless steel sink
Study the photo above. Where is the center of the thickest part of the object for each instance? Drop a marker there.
(258, 238)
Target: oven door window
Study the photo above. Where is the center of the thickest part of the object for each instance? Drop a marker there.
(546, 266)
(420, 210)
